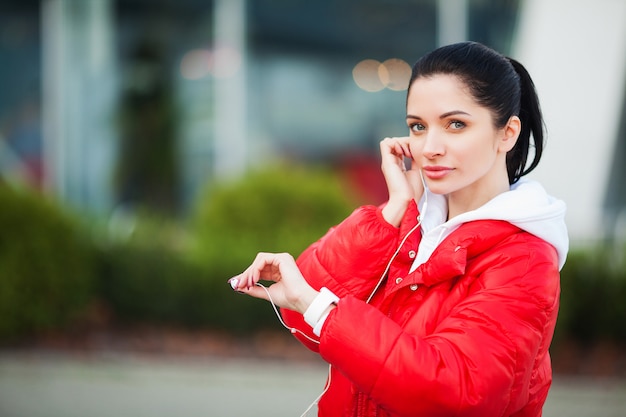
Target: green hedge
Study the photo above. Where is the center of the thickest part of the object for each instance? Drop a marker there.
(146, 269)
(46, 265)
(283, 209)
(173, 272)
(185, 283)
(593, 296)
(158, 286)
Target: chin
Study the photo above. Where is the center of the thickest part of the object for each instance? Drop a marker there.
(438, 188)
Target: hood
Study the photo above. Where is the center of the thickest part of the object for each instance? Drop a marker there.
(527, 205)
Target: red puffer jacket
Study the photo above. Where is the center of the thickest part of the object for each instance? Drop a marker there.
(465, 334)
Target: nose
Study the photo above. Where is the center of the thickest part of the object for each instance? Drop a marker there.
(433, 145)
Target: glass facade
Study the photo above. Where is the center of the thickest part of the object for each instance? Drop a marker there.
(615, 200)
(302, 98)
(20, 92)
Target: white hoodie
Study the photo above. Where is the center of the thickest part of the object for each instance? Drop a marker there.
(527, 205)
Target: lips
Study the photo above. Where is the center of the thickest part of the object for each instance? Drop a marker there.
(436, 172)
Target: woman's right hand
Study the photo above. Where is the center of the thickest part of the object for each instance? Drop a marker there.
(289, 288)
(403, 184)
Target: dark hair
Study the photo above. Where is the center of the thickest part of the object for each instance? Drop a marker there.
(498, 83)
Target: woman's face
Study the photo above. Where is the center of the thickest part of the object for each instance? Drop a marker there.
(454, 141)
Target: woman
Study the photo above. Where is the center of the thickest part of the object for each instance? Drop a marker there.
(443, 301)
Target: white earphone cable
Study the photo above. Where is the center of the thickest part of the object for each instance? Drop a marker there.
(419, 223)
(293, 330)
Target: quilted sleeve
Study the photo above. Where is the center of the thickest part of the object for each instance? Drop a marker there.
(348, 260)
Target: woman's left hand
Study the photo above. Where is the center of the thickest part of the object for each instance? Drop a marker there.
(290, 290)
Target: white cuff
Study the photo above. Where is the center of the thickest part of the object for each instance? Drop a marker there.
(314, 315)
(317, 330)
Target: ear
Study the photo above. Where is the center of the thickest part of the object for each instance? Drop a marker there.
(510, 133)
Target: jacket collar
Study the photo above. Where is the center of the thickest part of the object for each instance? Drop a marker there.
(452, 255)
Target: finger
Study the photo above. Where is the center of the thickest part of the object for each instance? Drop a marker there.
(398, 146)
(269, 267)
(248, 277)
(244, 280)
(234, 283)
(389, 142)
(400, 149)
(256, 268)
(386, 147)
(406, 151)
(391, 153)
(415, 181)
(240, 282)
(403, 146)
(257, 291)
(264, 267)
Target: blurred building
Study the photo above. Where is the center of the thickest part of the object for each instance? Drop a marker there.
(111, 103)
(576, 52)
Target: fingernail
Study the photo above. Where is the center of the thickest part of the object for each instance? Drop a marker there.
(234, 282)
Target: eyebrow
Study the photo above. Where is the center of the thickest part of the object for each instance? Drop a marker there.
(443, 116)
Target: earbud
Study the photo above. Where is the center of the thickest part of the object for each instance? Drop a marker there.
(423, 210)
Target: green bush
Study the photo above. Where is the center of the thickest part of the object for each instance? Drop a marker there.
(282, 209)
(154, 276)
(593, 294)
(166, 272)
(46, 273)
(159, 286)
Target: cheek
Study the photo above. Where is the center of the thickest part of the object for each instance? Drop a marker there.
(481, 158)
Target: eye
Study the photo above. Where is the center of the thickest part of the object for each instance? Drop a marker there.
(456, 124)
(417, 127)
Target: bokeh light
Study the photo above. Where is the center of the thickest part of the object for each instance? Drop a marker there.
(223, 62)
(395, 74)
(365, 75)
(196, 64)
(372, 76)
(227, 61)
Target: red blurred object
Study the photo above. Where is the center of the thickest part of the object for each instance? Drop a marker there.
(363, 173)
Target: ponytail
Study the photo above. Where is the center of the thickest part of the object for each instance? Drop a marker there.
(532, 125)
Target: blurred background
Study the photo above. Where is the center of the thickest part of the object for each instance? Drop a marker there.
(149, 149)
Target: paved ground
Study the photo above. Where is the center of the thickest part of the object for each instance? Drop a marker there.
(132, 386)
